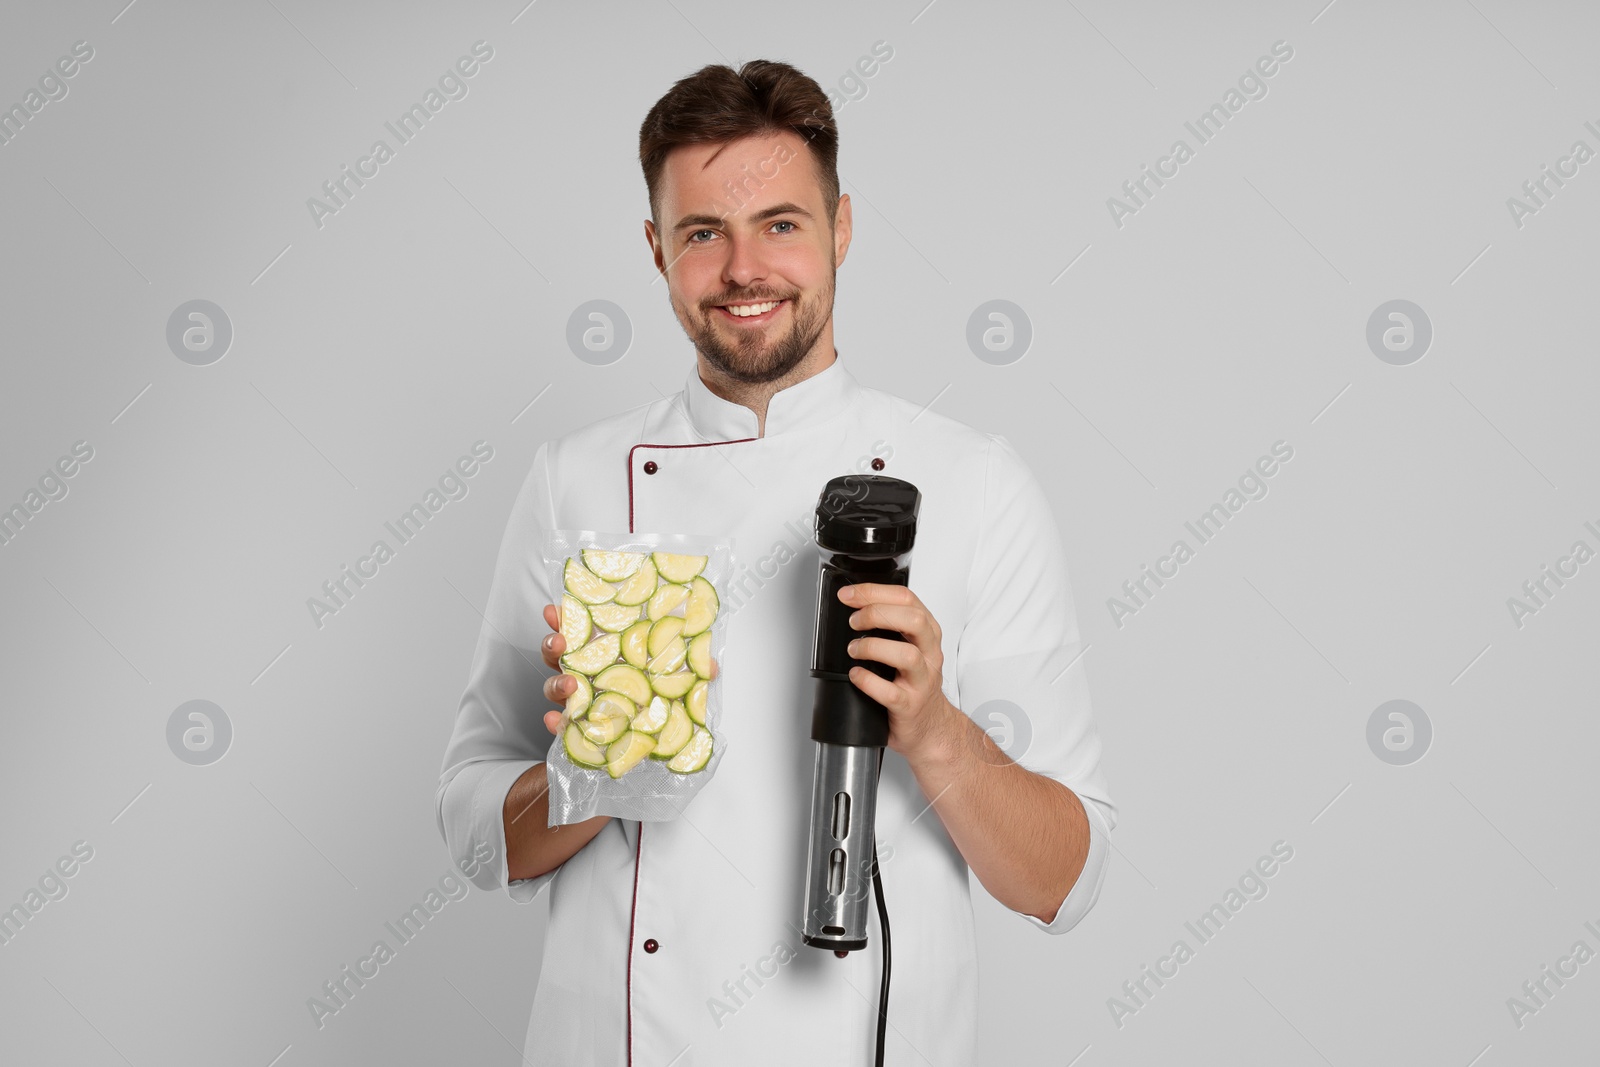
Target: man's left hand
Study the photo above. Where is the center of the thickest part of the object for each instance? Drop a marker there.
(921, 719)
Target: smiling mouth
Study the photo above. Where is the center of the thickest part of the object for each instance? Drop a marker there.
(762, 311)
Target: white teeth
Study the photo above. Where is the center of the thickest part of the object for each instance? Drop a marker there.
(746, 310)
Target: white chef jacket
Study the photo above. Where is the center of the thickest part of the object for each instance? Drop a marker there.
(678, 943)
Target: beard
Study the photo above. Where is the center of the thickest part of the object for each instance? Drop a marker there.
(757, 356)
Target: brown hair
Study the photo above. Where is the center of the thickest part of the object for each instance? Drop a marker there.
(717, 104)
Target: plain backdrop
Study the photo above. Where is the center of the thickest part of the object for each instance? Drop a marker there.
(1174, 342)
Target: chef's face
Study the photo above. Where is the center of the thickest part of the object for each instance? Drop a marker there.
(749, 253)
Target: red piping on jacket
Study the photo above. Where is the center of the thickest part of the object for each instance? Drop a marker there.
(638, 848)
(702, 444)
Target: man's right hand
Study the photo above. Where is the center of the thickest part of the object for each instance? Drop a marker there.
(533, 847)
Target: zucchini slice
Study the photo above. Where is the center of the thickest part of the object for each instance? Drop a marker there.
(675, 568)
(584, 584)
(652, 716)
(595, 656)
(581, 750)
(670, 659)
(701, 610)
(675, 685)
(614, 618)
(612, 566)
(636, 643)
(695, 702)
(637, 589)
(694, 755)
(608, 718)
(675, 734)
(625, 679)
(627, 752)
(700, 655)
(666, 600)
(662, 633)
(576, 625)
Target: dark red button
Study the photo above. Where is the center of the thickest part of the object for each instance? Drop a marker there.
(651, 945)
(650, 466)
(877, 463)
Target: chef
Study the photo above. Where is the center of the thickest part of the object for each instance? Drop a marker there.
(676, 944)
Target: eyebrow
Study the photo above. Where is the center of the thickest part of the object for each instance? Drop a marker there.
(760, 216)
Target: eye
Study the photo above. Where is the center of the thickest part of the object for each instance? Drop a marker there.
(785, 222)
(697, 233)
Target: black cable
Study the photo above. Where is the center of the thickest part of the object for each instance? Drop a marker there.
(883, 924)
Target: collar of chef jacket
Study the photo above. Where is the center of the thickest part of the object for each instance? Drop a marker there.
(817, 399)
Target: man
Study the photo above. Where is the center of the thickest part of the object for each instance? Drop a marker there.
(679, 942)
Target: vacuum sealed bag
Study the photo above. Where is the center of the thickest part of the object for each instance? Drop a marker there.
(641, 615)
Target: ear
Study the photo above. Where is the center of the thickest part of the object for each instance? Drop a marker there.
(656, 252)
(841, 229)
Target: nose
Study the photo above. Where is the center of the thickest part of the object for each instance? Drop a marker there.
(745, 265)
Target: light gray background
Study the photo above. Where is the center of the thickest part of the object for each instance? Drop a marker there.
(1229, 313)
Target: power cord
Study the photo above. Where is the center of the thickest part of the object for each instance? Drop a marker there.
(883, 924)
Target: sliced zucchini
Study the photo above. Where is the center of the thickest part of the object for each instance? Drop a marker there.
(595, 656)
(586, 585)
(670, 658)
(675, 734)
(694, 755)
(700, 655)
(676, 568)
(695, 702)
(578, 703)
(701, 610)
(627, 751)
(608, 718)
(654, 702)
(636, 643)
(612, 566)
(614, 618)
(576, 626)
(662, 633)
(581, 750)
(666, 600)
(625, 679)
(652, 716)
(675, 685)
(637, 589)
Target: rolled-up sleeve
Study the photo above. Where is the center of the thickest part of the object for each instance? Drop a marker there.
(499, 731)
(1020, 671)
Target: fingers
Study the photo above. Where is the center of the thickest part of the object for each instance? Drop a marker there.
(555, 645)
(877, 593)
(552, 649)
(559, 687)
(919, 627)
(882, 690)
(901, 655)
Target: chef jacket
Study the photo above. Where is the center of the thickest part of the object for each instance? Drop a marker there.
(678, 943)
